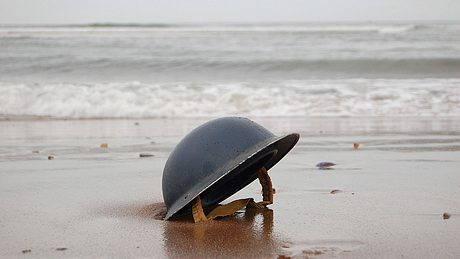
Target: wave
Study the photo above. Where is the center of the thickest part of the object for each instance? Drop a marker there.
(182, 68)
(124, 25)
(352, 97)
(307, 28)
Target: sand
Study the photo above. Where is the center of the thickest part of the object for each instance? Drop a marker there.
(383, 200)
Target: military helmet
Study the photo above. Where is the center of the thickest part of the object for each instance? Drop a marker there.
(217, 159)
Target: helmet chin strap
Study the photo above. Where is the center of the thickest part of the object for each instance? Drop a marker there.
(234, 206)
(267, 187)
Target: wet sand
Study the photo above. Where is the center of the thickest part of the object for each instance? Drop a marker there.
(89, 201)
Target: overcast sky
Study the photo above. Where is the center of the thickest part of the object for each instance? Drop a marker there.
(201, 11)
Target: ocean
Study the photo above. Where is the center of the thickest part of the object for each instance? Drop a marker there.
(209, 70)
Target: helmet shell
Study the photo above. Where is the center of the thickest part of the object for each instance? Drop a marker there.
(217, 159)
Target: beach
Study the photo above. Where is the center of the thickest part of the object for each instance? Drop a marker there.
(385, 199)
(89, 114)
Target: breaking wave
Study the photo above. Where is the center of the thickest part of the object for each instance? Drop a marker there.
(351, 97)
(10, 31)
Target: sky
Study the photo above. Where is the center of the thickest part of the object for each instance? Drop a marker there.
(222, 11)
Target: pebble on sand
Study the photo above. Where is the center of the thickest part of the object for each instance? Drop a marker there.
(145, 155)
(50, 157)
(104, 145)
(356, 146)
(325, 165)
(446, 215)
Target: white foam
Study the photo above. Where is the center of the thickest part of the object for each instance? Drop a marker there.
(352, 97)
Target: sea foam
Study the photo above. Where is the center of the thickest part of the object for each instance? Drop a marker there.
(351, 97)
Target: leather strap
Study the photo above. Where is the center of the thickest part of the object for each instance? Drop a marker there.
(234, 206)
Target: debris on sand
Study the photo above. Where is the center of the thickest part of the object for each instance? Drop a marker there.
(446, 215)
(356, 146)
(50, 157)
(136, 123)
(145, 155)
(35, 151)
(61, 249)
(335, 191)
(26, 251)
(104, 145)
(325, 165)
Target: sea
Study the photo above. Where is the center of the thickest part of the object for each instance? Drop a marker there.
(209, 70)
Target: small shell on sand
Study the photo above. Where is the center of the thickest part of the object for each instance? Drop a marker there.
(325, 165)
(50, 157)
(104, 145)
(356, 146)
(145, 155)
(446, 215)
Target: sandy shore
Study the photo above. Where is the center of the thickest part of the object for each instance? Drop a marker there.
(93, 202)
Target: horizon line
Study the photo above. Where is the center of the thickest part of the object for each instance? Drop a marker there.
(172, 24)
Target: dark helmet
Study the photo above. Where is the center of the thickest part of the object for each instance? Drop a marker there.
(217, 159)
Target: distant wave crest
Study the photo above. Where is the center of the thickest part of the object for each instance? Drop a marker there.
(6, 31)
